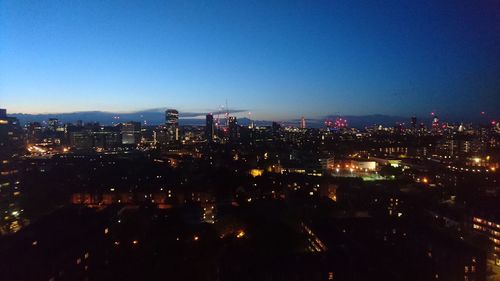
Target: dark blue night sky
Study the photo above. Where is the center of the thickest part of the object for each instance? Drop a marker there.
(277, 59)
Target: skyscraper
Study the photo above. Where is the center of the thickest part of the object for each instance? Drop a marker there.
(172, 125)
(302, 122)
(233, 128)
(435, 123)
(11, 134)
(209, 127)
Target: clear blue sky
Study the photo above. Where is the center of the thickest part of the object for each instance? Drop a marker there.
(278, 59)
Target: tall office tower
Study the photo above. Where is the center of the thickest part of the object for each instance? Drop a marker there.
(302, 122)
(435, 123)
(209, 127)
(414, 123)
(11, 134)
(172, 125)
(275, 127)
(131, 132)
(11, 143)
(233, 128)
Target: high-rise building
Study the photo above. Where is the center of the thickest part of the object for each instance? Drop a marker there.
(209, 127)
(233, 128)
(172, 125)
(489, 227)
(275, 127)
(11, 134)
(435, 123)
(302, 122)
(131, 132)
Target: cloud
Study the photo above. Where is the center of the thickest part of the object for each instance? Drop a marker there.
(202, 114)
(188, 114)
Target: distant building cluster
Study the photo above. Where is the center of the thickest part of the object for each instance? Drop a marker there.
(379, 202)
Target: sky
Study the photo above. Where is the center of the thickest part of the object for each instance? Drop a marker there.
(276, 59)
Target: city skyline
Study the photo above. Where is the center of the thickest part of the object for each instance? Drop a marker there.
(250, 140)
(156, 116)
(312, 59)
